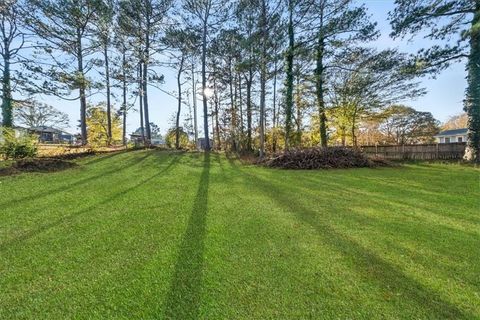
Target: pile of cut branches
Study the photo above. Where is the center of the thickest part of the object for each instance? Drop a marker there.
(36, 165)
(322, 158)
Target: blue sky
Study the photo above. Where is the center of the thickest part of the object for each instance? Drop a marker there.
(444, 97)
(445, 93)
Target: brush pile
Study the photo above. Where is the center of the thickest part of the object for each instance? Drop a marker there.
(42, 165)
(36, 165)
(322, 158)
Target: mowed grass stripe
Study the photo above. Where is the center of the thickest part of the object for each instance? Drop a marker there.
(193, 236)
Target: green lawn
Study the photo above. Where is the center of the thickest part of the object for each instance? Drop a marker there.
(150, 234)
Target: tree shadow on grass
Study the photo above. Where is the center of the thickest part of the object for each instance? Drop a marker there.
(97, 158)
(32, 233)
(184, 297)
(388, 194)
(66, 187)
(368, 264)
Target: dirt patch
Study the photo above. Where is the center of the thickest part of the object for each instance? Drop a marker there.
(72, 156)
(37, 165)
(380, 162)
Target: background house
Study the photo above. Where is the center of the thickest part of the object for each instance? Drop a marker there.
(201, 143)
(52, 135)
(137, 138)
(450, 136)
(157, 141)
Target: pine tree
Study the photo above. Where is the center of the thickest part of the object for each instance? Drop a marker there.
(182, 43)
(368, 81)
(289, 57)
(104, 29)
(124, 71)
(296, 14)
(12, 41)
(226, 51)
(205, 16)
(338, 26)
(65, 26)
(444, 20)
(146, 20)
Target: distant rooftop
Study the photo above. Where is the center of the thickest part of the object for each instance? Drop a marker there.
(453, 132)
(47, 129)
(44, 129)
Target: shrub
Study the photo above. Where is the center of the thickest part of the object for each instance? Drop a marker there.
(320, 158)
(17, 147)
(170, 138)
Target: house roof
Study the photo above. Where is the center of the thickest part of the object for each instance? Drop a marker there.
(49, 130)
(453, 132)
(137, 132)
(44, 129)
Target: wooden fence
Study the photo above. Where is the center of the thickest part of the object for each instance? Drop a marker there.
(440, 151)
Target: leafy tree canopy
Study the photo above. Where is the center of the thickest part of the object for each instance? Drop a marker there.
(97, 125)
(32, 113)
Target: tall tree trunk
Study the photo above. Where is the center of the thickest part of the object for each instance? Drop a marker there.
(109, 104)
(289, 76)
(320, 90)
(240, 107)
(194, 89)
(216, 101)
(190, 114)
(298, 103)
(82, 89)
(124, 93)
(7, 104)
(263, 76)
(354, 124)
(148, 134)
(204, 85)
(249, 110)
(179, 109)
(472, 102)
(274, 119)
(212, 113)
(233, 100)
(140, 92)
(146, 61)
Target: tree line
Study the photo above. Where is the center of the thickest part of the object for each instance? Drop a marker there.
(270, 74)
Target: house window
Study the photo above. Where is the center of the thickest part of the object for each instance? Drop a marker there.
(460, 139)
(442, 140)
(447, 140)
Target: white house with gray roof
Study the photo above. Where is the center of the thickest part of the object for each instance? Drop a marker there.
(450, 136)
